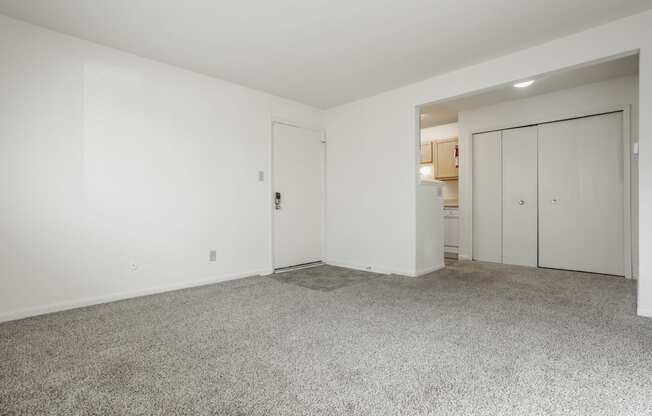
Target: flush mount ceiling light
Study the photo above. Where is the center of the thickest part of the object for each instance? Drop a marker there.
(524, 84)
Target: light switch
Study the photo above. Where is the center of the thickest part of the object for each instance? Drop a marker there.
(261, 176)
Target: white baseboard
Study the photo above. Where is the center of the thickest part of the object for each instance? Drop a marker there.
(464, 257)
(429, 270)
(79, 303)
(647, 313)
(373, 269)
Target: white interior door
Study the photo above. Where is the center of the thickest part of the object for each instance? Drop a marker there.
(298, 156)
(581, 194)
(487, 228)
(519, 157)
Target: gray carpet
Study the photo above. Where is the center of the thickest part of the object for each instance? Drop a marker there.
(473, 339)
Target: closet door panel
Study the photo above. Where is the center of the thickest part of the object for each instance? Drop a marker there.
(519, 196)
(487, 244)
(581, 195)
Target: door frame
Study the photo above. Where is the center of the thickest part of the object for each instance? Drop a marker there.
(466, 185)
(270, 186)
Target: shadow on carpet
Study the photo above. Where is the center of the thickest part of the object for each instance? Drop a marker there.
(325, 278)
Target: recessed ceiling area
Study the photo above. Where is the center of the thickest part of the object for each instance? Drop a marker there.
(436, 115)
(319, 52)
(447, 112)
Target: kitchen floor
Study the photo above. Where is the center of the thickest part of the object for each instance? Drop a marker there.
(448, 261)
(470, 339)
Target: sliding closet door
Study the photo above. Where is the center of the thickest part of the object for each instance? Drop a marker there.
(581, 195)
(486, 197)
(519, 157)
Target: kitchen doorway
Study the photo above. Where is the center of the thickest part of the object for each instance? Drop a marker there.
(505, 138)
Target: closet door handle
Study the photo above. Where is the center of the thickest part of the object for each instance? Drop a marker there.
(521, 202)
(554, 201)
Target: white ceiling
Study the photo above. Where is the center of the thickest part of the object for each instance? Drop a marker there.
(320, 52)
(446, 112)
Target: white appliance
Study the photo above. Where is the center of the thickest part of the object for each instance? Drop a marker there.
(451, 231)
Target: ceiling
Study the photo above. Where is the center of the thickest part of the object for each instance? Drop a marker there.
(437, 115)
(320, 52)
(444, 113)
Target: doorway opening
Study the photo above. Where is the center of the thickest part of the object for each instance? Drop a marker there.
(547, 170)
(298, 195)
(439, 150)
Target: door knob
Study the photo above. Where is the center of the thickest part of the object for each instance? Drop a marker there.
(521, 202)
(554, 201)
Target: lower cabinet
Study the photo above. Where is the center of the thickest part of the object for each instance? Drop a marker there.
(451, 230)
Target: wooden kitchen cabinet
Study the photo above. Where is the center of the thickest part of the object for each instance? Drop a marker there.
(426, 153)
(446, 164)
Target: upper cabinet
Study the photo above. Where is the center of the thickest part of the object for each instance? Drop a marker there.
(426, 153)
(446, 159)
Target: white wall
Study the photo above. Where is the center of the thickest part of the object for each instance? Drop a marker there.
(634, 182)
(445, 131)
(374, 222)
(109, 160)
(371, 187)
(584, 100)
(430, 248)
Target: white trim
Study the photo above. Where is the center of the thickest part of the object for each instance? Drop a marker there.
(324, 184)
(416, 164)
(372, 269)
(283, 122)
(627, 193)
(647, 313)
(501, 163)
(270, 186)
(560, 117)
(428, 270)
(97, 300)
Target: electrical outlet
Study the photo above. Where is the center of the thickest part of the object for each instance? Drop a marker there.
(133, 267)
(212, 255)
